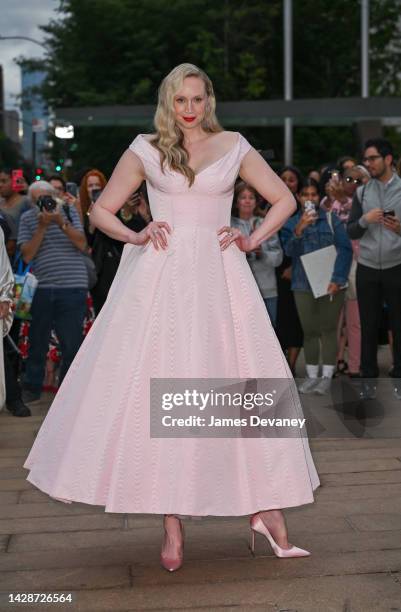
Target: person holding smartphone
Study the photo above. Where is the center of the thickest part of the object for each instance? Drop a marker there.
(349, 331)
(12, 204)
(92, 184)
(312, 229)
(375, 220)
(106, 252)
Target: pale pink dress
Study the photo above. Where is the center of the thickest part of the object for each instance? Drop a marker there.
(189, 311)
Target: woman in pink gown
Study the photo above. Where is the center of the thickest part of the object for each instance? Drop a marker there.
(184, 304)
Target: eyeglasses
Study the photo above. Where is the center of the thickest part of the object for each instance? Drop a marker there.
(350, 179)
(371, 158)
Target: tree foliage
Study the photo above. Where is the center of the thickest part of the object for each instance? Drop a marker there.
(10, 156)
(104, 52)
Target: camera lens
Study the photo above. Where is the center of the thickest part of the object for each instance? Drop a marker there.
(47, 203)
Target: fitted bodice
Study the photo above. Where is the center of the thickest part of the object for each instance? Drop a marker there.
(207, 203)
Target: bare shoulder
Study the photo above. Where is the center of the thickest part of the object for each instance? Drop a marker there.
(228, 138)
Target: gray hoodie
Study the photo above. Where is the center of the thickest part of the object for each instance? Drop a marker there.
(380, 247)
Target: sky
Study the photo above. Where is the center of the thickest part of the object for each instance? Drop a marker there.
(21, 18)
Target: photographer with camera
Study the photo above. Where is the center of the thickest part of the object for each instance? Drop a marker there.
(54, 242)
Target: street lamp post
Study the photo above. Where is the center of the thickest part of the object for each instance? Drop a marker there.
(365, 48)
(37, 42)
(288, 94)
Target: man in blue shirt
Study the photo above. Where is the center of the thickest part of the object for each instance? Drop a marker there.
(54, 243)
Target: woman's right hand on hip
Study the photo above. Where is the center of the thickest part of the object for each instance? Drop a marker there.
(154, 231)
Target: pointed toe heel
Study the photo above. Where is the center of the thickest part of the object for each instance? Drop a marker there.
(172, 564)
(258, 526)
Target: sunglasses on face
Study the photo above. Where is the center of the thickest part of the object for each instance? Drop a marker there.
(350, 179)
(371, 158)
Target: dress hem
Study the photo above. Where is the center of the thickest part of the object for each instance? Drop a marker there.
(182, 512)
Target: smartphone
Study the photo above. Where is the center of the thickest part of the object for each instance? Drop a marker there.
(72, 189)
(310, 208)
(388, 213)
(17, 180)
(334, 179)
(95, 193)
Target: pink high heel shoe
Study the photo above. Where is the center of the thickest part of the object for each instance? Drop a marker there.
(171, 564)
(258, 526)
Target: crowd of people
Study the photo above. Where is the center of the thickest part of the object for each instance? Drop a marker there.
(348, 209)
(354, 209)
(47, 227)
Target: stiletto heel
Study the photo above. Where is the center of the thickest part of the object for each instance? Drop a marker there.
(258, 526)
(252, 542)
(171, 564)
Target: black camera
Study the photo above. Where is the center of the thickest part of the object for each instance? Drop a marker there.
(47, 203)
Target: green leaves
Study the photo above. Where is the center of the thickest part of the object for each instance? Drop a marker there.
(107, 52)
(117, 51)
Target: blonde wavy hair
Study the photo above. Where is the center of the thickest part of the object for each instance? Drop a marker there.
(169, 139)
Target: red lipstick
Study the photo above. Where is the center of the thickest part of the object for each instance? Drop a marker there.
(189, 119)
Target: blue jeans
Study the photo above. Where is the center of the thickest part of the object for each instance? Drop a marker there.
(271, 305)
(64, 311)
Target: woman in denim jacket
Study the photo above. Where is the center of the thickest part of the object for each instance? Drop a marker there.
(304, 233)
(264, 259)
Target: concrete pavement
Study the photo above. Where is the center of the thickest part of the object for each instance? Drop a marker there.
(111, 561)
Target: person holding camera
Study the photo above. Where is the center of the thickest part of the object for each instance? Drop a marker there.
(67, 191)
(375, 220)
(310, 230)
(54, 243)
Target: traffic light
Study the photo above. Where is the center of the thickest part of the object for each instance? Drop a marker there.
(39, 174)
(59, 165)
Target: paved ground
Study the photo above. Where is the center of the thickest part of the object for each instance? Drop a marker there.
(110, 561)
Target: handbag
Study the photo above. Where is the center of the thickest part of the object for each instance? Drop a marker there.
(24, 290)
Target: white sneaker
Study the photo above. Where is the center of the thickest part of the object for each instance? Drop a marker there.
(323, 386)
(308, 385)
